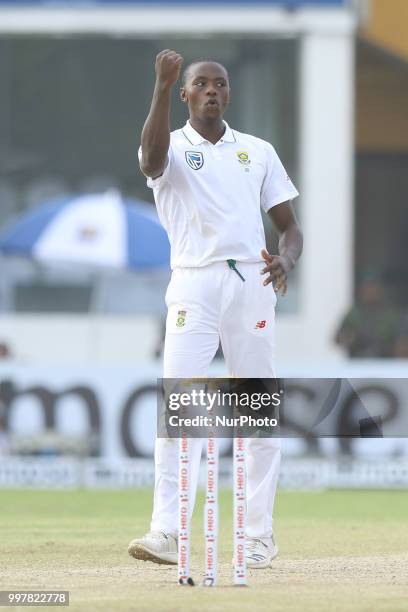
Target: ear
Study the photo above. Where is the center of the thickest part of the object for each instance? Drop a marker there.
(183, 95)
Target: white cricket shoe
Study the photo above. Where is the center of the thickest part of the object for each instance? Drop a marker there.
(155, 546)
(260, 552)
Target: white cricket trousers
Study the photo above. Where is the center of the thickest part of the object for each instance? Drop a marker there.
(206, 305)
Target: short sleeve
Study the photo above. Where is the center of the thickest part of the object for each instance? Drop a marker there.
(156, 182)
(277, 186)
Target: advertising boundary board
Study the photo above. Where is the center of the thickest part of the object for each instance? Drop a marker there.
(296, 474)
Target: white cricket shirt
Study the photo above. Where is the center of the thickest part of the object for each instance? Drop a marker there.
(209, 197)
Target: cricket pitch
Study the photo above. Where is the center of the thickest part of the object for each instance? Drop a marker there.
(339, 550)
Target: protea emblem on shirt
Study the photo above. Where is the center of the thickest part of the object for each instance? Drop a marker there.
(181, 318)
(195, 159)
(243, 158)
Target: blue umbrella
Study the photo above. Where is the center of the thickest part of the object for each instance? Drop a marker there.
(97, 229)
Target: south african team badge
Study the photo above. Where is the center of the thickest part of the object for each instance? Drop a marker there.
(243, 159)
(181, 318)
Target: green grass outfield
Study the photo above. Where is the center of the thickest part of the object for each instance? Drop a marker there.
(339, 550)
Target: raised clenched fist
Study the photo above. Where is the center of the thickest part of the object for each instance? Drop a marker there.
(168, 66)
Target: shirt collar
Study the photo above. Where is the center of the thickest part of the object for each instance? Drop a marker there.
(195, 138)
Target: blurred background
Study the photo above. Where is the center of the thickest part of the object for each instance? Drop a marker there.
(82, 296)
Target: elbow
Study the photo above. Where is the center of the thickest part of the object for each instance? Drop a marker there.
(151, 171)
(146, 170)
(149, 168)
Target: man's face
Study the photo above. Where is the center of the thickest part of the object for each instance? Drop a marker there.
(206, 90)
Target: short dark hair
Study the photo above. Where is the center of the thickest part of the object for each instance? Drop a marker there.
(206, 60)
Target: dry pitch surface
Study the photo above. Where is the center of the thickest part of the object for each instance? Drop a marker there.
(340, 550)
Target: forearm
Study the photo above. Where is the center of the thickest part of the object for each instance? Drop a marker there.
(156, 132)
(291, 244)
